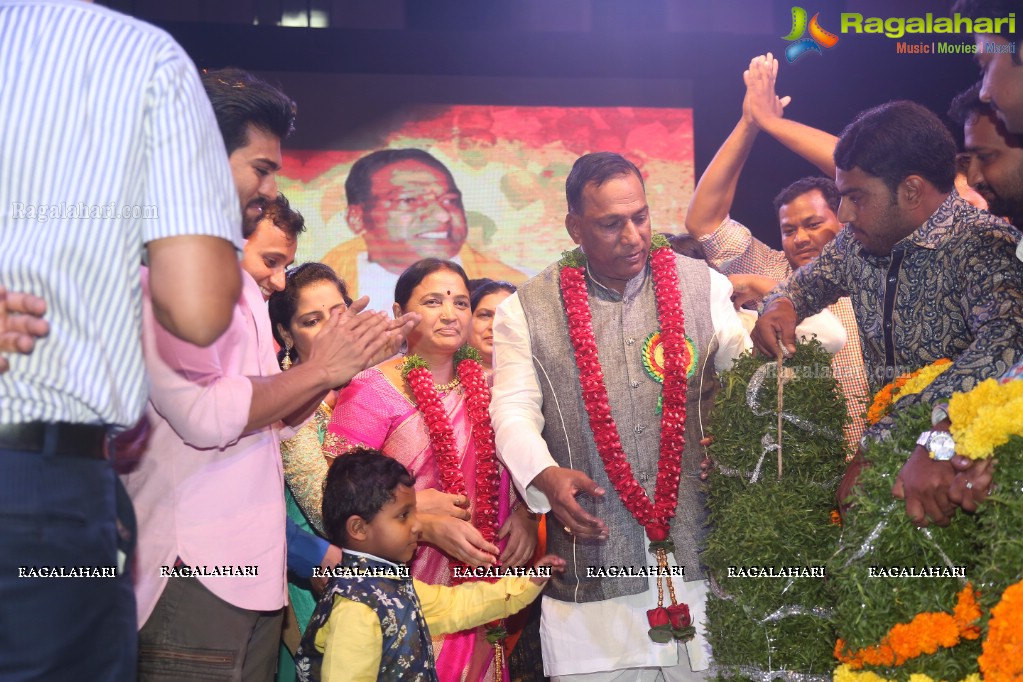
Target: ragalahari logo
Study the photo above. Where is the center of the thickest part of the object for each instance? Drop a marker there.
(800, 45)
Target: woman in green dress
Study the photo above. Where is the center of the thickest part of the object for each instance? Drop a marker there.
(297, 313)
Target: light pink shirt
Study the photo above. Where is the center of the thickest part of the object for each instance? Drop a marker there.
(204, 490)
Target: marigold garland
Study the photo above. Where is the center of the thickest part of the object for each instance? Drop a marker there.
(904, 385)
(986, 417)
(985, 423)
(1002, 660)
(923, 635)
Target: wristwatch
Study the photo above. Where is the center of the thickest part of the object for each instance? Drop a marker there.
(939, 444)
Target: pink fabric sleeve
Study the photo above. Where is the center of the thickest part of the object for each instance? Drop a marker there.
(363, 415)
(189, 387)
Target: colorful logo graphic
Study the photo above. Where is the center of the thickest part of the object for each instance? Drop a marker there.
(800, 45)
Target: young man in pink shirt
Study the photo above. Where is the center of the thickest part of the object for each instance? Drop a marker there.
(209, 492)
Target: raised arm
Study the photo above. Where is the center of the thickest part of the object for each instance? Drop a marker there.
(765, 109)
(715, 192)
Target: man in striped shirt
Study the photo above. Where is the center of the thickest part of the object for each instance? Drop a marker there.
(108, 154)
(806, 210)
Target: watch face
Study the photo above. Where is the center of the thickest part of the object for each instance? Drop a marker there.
(941, 445)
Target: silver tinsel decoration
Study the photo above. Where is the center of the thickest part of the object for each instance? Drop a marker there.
(786, 611)
(868, 544)
(753, 400)
(762, 675)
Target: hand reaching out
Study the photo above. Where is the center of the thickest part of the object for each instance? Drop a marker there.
(458, 539)
(972, 481)
(351, 341)
(778, 322)
(924, 484)
(433, 501)
(556, 563)
(521, 529)
(561, 486)
(750, 288)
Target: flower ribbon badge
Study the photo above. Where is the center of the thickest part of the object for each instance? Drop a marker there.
(653, 360)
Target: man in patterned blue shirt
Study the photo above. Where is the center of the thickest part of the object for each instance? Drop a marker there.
(929, 275)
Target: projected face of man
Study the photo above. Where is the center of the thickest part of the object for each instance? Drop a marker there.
(414, 212)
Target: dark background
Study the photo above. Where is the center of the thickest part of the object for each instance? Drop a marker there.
(706, 42)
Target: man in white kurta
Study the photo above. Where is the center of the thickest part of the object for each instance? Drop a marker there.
(593, 629)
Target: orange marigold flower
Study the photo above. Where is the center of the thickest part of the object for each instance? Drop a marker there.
(1001, 660)
(928, 632)
(967, 612)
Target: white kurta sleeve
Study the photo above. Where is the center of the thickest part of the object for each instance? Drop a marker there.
(733, 339)
(826, 327)
(515, 407)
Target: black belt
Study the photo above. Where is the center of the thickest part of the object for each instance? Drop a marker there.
(67, 440)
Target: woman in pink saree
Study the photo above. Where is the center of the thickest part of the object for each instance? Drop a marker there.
(378, 410)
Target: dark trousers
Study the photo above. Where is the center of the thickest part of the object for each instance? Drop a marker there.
(61, 513)
(193, 634)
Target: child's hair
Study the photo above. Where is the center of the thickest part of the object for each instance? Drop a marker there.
(359, 484)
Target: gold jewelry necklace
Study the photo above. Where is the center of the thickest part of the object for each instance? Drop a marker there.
(444, 388)
(441, 389)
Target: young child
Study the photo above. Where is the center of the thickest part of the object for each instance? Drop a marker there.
(374, 621)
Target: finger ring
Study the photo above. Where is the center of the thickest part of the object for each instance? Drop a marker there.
(568, 530)
(969, 485)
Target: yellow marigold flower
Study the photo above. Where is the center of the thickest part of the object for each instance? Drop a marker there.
(923, 378)
(904, 385)
(985, 418)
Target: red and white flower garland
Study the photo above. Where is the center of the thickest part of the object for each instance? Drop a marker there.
(442, 438)
(655, 516)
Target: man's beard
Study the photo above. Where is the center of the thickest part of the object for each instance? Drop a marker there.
(1008, 207)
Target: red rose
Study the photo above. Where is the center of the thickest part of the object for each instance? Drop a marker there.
(679, 616)
(657, 532)
(658, 617)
